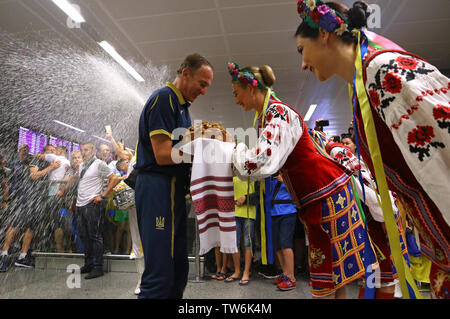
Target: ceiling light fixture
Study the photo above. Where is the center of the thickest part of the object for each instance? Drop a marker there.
(100, 138)
(70, 10)
(69, 126)
(116, 56)
(310, 112)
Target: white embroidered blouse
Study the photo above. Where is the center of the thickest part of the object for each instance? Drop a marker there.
(280, 134)
(413, 99)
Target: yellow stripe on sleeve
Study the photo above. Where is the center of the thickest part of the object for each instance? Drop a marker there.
(171, 104)
(164, 132)
(154, 103)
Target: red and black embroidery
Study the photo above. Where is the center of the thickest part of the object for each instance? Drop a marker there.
(250, 166)
(374, 98)
(390, 78)
(343, 156)
(441, 114)
(409, 67)
(405, 116)
(407, 62)
(267, 137)
(277, 111)
(420, 141)
(274, 111)
(392, 83)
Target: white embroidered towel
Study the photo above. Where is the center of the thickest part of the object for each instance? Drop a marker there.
(212, 193)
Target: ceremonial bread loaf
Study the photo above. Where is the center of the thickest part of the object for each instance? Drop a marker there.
(205, 129)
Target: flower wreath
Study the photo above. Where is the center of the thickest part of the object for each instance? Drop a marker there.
(244, 76)
(317, 14)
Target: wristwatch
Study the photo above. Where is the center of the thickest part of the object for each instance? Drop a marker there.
(102, 197)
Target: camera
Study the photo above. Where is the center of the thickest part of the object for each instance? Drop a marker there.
(322, 123)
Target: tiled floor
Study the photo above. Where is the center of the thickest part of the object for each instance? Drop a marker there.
(51, 280)
(20, 283)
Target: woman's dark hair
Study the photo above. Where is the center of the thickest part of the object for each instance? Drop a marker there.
(355, 17)
(350, 136)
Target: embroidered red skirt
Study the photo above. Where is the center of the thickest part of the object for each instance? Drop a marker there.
(339, 249)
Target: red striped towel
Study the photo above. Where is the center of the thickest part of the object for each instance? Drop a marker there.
(212, 194)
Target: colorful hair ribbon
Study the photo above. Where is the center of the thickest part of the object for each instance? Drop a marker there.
(317, 14)
(266, 226)
(244, 76)
(358, 93)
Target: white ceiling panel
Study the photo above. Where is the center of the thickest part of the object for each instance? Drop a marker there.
(178, 49)
(16, 18)
(276, 60)
(130, 9)
(275, 41)
(249, 3)
(173, 26)
(274, 17)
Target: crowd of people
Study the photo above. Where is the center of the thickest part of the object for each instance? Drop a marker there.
(361, 202)
(54, 204)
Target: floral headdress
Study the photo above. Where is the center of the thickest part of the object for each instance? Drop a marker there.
(318, 14)
(244, 76)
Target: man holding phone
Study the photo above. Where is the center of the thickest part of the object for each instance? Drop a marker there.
(320, 124)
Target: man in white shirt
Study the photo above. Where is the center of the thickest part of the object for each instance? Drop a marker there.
(54, 217)
(91, 208)
(57, 174)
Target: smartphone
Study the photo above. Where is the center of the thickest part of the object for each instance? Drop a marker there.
(108, 129)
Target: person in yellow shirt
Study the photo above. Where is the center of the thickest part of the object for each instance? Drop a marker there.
(245, 211)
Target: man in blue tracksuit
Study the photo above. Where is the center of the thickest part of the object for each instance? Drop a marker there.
(163, 179)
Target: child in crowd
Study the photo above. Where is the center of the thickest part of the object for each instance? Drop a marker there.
(221, 264)
(284, 217)
(245, 211)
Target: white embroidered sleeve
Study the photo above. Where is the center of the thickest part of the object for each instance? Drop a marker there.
(277, 140)
(350, 161)
(412, 98)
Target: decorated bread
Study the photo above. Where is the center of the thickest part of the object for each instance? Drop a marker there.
(206, 129)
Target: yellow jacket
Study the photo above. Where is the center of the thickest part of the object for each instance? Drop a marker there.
(240, 189)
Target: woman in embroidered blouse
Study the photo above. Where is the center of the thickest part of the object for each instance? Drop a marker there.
(409, 101)
(339, 253)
